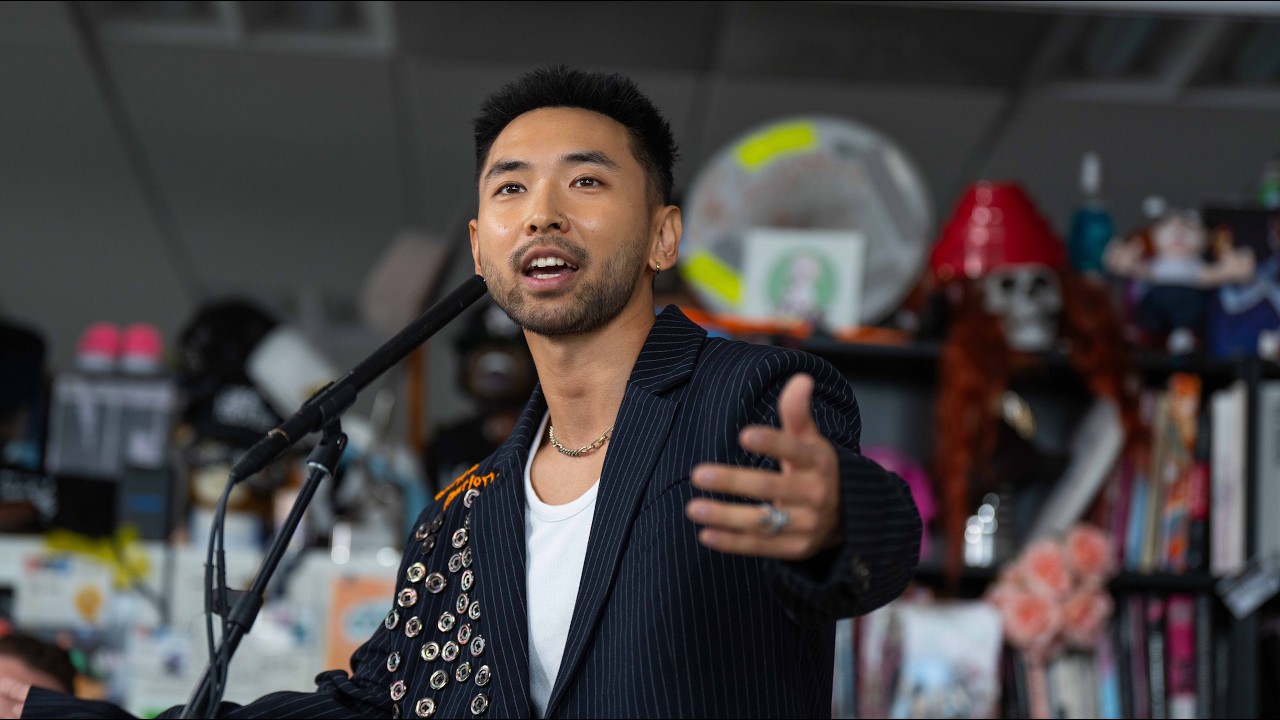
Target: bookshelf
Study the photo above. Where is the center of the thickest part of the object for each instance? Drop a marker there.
(896, 384)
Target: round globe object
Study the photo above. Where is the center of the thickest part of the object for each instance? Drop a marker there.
(814, 173)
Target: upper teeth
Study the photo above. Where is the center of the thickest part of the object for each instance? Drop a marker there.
(547, 262)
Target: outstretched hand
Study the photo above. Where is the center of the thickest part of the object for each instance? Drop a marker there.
(805, 488)
(13, 697)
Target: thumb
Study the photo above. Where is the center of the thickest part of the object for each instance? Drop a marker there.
(794, 407)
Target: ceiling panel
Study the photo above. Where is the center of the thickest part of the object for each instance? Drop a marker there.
(1186, 155)
(880, 43)
(641, 35)
(79, 245)
(36, 23)
(283, 169)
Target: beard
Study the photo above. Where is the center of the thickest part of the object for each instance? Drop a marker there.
(592, 305)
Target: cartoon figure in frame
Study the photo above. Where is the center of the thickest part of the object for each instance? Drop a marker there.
(1011, 295)
(1175, 276)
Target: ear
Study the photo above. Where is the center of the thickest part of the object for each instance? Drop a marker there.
(475, 245)
(667, 230)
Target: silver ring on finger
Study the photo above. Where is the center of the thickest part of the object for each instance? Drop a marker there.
(774, 520)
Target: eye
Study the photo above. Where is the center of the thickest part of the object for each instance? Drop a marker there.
(509, 188)
(586, 182)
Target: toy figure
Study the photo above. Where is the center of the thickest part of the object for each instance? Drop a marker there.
(1255, 305)
(1176, 275)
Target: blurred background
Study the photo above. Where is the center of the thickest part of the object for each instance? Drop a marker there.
(181, 182)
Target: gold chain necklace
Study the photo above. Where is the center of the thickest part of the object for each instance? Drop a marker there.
(586, 450)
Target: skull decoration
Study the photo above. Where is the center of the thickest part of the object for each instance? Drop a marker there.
(997, 240)
(1027, 299)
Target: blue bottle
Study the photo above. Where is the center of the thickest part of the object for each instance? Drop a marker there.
(1091, 226)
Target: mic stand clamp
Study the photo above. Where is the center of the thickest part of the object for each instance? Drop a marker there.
(241, 607)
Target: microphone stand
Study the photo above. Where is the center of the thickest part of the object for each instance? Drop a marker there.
(245, 604)
(320, 412)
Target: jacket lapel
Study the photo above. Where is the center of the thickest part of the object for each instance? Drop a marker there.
(498, 528)
(644, 419)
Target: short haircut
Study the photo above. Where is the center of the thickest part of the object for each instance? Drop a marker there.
(613, 96)
(43, 656)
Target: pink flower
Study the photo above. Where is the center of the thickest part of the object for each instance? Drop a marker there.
(1031, 621)
(1043, 567)
(1084, 617)
(1090, 554)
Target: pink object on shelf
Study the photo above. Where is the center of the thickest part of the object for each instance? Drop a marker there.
(142, 348)
(921, 491)
(99, 347)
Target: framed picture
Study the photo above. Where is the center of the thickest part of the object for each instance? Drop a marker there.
(799, 275)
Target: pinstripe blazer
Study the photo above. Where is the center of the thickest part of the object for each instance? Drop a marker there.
(661, 626)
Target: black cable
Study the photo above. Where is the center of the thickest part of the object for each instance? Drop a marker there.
(148, 179)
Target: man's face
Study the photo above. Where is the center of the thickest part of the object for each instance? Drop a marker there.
(565, 227)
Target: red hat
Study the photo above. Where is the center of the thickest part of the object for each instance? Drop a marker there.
(994, 225)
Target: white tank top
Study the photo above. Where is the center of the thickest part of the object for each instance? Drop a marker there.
(555, 547)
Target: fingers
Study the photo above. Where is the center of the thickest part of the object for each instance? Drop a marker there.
(763, 485)
(794, 407)
(784, 547)
(747, 517)
(781, 445)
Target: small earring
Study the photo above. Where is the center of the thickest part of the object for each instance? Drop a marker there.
(657, 267)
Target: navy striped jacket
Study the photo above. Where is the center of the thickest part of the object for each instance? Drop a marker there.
(661, 626)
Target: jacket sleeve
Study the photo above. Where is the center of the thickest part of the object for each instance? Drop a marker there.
(362, 694)
(880, 549)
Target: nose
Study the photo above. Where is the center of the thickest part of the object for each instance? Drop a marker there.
(545, 214)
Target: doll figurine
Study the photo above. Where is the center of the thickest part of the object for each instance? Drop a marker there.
(1175, 275)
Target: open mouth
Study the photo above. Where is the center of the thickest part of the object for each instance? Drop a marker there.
(546, 267)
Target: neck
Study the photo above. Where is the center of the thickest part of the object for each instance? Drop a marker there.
(584, 377)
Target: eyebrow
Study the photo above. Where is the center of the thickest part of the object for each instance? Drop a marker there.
(581, 157)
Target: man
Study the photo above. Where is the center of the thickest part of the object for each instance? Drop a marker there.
(603, 561)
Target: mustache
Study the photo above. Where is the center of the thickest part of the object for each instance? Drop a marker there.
(577, 254)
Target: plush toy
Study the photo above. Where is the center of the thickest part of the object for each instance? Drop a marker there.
(1175, 275)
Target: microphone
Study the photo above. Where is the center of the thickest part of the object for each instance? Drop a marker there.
(336, 397)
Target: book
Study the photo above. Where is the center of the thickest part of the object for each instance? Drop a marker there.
(1118, 631)
(843, 703)
(1108, 674)
(1176, 471)
(1181, 652)
(1227, 454)
(1267, 458)
(1156, 639)
(1137, 648)
(1204, 656)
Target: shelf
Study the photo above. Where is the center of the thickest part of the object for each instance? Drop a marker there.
(973, 580)
(919, 356)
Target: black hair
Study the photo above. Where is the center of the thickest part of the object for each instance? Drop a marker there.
(613, 96)
(43, 656)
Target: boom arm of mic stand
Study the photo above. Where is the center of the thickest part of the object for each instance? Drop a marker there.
(334, 399)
